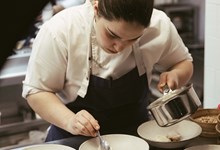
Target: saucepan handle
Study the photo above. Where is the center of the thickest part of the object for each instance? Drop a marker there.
(166, 89)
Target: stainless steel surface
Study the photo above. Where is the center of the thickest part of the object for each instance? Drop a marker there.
(14, 133)
(19, 127)
(104, 145)
(14, 69)
(175, 106)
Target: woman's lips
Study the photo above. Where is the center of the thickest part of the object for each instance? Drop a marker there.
(112, 51)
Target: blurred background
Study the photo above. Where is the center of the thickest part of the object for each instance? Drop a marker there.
(20, 125)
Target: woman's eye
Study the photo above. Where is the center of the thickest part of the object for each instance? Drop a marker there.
(133, 40)
(110, 36)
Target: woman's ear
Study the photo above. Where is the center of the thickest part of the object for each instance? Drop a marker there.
(95, 6)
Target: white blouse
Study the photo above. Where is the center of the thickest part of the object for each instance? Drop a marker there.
(60, 61)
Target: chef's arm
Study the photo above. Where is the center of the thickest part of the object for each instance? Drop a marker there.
(48, 106)
(177, 76)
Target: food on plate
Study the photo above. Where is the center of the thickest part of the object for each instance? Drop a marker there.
(170, 137)
(174, 136)
(162, 138)
(207, 119)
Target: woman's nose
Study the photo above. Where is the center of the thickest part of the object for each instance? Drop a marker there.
(119, 45)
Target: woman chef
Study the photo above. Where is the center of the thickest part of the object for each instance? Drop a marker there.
(90, 67)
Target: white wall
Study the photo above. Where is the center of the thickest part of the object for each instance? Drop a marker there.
(212, 54)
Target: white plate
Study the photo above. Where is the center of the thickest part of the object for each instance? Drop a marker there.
(46, 147)
(151, 131)
(204, 147)
(117, 142)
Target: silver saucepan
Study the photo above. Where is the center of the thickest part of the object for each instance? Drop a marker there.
(175, 105)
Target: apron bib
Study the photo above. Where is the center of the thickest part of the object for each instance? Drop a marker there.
(118, 105)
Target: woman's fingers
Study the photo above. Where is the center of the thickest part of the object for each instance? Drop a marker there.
(86, 124)
(162, 81)
(169, 78)
(90, 123)
(81, 129)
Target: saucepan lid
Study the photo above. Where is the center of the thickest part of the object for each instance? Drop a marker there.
(169, 95)
(175, 105)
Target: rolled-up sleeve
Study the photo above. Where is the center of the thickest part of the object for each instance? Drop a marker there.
(59, 62)
(47, 64)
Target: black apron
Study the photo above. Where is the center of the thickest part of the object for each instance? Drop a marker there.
(118, 105)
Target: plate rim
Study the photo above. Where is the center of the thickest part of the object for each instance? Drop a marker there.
(116, 134)
(173, 141)
(167, 144)
(202, 145)
(43, 144)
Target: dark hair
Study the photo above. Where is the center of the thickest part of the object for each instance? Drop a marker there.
(139, 11)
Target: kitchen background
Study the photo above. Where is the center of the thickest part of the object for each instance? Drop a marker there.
(197, 21)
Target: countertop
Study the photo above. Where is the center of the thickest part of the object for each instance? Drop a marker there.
(77, 141)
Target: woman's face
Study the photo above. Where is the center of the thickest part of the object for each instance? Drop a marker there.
(115, 36)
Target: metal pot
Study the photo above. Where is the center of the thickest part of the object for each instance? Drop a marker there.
(175, 106)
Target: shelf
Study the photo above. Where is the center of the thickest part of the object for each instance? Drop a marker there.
(22, 126)
(12, 135)
(14, 70)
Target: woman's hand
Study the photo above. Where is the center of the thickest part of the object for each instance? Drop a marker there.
(177, 76)
(170, 78)
(83, 123)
